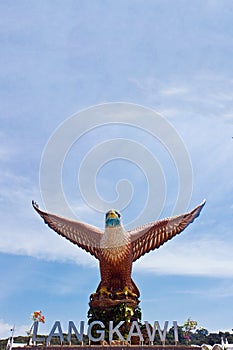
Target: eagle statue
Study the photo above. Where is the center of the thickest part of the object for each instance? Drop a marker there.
(115, 248)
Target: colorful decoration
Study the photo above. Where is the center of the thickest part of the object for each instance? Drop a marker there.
(37, 316)
(188, 327)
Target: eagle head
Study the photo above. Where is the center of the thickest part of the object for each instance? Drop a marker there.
(112, 218)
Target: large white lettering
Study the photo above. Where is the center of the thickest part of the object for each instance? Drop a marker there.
(162, 333)
(137, 333)
(175, 327)
(35, 339)
(57, 325)
(99, 332)
(115, 330)
(72, 327)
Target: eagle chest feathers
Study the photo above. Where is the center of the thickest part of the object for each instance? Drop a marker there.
(115, 245)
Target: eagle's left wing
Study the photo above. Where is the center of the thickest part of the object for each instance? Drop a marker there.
(83, 235)
(153, 235)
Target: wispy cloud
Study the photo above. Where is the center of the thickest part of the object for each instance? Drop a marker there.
(7, 148)
(42, 243)
(5, 329)
(206, 257)
(210, 92)
(174, 91)
(225, 290)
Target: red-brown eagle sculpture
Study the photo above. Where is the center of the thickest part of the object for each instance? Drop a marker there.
(115, 248)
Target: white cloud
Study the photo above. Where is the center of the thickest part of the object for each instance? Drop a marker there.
(207, 93)
(11, 148)
(219, 291)
(42, 243)
(23, 231)
(207, 257)
(5, 329)
(174, 91)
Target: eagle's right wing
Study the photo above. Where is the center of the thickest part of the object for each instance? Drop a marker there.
(85, 236)
(153, 235)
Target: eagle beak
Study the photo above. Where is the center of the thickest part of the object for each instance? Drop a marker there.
(112, 214)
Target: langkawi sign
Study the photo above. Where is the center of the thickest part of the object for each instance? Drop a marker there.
(100, 331)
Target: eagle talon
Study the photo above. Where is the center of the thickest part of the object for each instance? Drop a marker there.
(104, 292)
(126, 292)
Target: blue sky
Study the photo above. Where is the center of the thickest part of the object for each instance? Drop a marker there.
(59, 58)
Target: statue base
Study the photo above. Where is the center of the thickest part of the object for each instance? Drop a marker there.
(106, 307)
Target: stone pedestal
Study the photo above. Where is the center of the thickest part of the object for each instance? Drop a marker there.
(114, 308)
